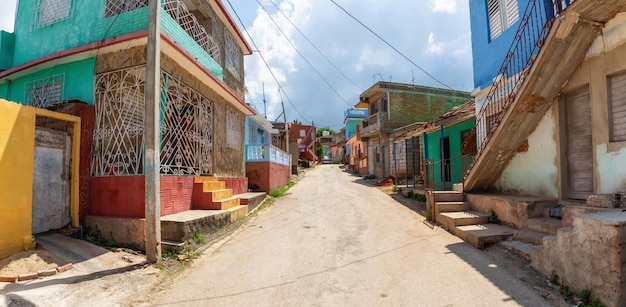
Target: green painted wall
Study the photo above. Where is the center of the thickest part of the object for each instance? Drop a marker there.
(433, 148)
(351, 126)
(171, 27)
(7, 45)
(85, 25)
(79, 81)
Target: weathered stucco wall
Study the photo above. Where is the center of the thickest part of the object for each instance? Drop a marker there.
(17, 141)
(590, 255)
(534, 172)
(604, 58)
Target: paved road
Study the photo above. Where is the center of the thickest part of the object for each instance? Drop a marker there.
(334, 241)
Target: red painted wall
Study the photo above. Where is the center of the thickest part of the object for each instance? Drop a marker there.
(267, 176)
(238, 185)
(124, 196)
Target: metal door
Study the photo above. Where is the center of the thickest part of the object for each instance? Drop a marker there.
(51, 180)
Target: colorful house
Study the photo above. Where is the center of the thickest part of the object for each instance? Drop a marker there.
(302, 141)
(395, 105)
(550, 83)
(88, 58)
(267, 166)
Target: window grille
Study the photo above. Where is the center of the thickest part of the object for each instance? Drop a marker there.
(233, 55)
(45, 92)
(116, 7)
(47, 12)
(233, 128)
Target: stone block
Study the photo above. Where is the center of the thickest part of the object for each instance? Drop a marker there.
(602, 200)
(29, 276)
(64, 268)
(44, 273)
(12, 278)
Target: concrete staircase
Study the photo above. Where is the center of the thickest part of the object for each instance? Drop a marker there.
(561, 53)
(452, 212)
(539, 228)
(211, 194)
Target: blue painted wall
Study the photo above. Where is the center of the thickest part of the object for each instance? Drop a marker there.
(261, 135)
(489, 55)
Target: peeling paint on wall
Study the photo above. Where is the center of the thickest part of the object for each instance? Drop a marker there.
(611, 171)
(534, 172)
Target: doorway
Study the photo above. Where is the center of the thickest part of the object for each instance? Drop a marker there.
(579, 148)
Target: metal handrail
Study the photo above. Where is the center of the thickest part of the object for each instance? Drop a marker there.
(530, 37)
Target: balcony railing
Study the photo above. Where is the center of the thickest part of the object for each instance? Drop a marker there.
(370, 125)
(528, 40)
(179, 12)
(267, 153)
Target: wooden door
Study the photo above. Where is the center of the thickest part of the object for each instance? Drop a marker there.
(579, 144)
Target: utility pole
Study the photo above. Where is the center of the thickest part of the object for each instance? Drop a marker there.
(152, 132)
(264, 102)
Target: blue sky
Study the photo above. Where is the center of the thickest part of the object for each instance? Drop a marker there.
(435, 34)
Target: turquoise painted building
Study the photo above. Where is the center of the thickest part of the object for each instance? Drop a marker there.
(88, 58)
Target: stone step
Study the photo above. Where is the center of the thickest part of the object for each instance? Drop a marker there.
(204, 200)
(200, 179)
(454, 206)
(208, 186)
(481, 234)
(238, 212)
(225, 204)
(252, 199)
(529, 236)
(458, 187)
(450, 220)
(445, 196)
(522, 249)
(544, 225)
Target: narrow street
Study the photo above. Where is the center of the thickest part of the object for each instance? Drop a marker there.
(336, 241)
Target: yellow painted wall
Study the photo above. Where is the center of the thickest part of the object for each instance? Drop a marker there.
(17, 159)
(17, 141)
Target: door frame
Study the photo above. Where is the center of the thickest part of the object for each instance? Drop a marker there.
(563, 158)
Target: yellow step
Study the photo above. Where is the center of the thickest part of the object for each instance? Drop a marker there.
(209, 186)
(200, 179)
(225, 204)
(237, 213)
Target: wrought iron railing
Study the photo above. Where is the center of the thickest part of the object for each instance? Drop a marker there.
(530, 37)
(179, 12)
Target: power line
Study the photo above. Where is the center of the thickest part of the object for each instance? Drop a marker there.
(314, 46)
(388, 44)
(265, 62)
(301, 55)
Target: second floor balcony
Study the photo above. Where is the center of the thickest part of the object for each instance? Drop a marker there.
(267, 153)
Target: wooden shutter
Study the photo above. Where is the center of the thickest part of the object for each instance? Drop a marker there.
(617, 110)
(512, 12)
(495, 18)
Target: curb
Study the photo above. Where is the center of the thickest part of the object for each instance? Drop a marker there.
(36, 275)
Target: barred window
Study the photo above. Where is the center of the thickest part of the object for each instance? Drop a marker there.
(45, 92)
(233, 55)
(48, 12)
(116, 7)
(233, 131)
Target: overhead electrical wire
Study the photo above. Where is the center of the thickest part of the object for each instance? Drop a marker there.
(266, 64)
(303, 57)
(392, 47)
(314, 46)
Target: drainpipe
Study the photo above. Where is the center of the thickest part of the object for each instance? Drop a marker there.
(388, 106)
(443, 181)
(413, 152)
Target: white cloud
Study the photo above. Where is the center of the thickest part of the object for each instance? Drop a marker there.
(444, 6)
(7, 14)
(370, 57)
(434, 47)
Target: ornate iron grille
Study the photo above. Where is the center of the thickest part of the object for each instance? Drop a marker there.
(186, 126)
(233, 128)
(116, 7)
(187, 130)
(46, 92)
(118, 138)
(179, 12)
(233, 55)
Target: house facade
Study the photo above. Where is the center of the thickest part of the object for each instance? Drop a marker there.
(88, 58)
(395, 105)
(550, 116)
(302, 142)
(267, 166)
